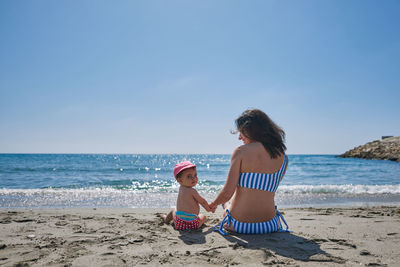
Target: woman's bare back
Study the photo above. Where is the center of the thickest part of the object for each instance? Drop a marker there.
(253, 205)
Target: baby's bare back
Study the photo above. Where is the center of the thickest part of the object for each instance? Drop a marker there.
(186, 201)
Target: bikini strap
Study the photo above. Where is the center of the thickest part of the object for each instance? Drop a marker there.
(220, 227)
(280, 217)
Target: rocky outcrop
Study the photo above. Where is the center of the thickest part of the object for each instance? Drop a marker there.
(388, 148)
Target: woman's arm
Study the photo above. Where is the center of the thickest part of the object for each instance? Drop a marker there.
(231, 182)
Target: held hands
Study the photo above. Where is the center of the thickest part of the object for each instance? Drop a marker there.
(213, 207)
(206, 206)
(210, 207)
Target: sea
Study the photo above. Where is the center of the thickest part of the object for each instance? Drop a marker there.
(146, 180)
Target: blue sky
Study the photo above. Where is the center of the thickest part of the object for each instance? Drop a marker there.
(172, 76)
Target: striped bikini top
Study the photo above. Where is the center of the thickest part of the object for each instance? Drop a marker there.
(263, 181)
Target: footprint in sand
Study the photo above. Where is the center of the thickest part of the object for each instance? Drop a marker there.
(326, 258)
(61, 223)
(343, 242)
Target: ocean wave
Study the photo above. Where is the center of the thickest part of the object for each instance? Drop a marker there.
(342, 189)
(299, 195)
(141, 184)
(160, 186)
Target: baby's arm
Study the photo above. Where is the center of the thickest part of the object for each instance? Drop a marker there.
(201, 201)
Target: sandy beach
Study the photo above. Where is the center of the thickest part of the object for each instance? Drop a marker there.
(353, 236)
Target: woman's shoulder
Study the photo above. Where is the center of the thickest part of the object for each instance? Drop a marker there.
(251, 147)
(245, 150)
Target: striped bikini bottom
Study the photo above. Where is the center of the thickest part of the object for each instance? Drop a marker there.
(273, 225)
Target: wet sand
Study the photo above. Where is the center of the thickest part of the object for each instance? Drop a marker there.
(344, 236)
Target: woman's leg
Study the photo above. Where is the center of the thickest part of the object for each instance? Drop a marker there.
(227, 205)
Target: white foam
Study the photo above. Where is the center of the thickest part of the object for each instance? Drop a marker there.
(344, 189)
(150, 196)
(148, 187)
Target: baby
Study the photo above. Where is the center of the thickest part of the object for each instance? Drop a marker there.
(186, 215)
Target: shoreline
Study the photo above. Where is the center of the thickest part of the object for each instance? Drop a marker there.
(329, 236)
(299, 197)
(343, 204)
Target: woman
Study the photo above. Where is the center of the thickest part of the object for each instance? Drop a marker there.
(257, 167)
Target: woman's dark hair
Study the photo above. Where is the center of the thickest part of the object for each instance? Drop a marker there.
(257, 126)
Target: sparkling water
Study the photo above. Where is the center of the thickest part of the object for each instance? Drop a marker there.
(146, 181)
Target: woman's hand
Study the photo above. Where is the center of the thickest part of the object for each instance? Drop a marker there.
(207, 207)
